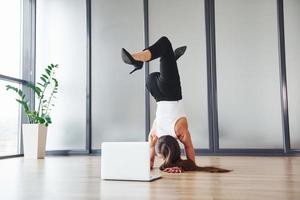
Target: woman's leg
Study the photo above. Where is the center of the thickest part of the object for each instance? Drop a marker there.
(146, 55)
(162, 49)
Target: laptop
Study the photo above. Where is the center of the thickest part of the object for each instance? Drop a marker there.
(126, 161)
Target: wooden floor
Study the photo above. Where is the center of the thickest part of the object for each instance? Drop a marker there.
(78, 177)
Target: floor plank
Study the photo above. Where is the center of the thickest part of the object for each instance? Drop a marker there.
(78, 177)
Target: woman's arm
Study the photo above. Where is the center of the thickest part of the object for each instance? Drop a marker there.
(152, 140)
(183, 134)
(188, 145)
(186, 140)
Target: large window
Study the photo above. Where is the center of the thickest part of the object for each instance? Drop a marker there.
(10, 68)
(9, 121)
(10, 37)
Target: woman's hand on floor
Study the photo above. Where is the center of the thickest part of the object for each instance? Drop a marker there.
(173, 170)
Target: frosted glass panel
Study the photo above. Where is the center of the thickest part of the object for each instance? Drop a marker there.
(248, 74)
(10, 37)
(183, 22)
(61, 39)
(292, 42)
(9, 120)
(117, 97)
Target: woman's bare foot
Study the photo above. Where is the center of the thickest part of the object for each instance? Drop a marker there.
(142, 56)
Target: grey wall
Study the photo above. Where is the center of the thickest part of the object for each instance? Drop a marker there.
(118, 109)
(61, 39)
(247, 67)
(292, 39)
(248, 74)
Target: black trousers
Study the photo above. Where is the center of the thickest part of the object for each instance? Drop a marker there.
(164, 85)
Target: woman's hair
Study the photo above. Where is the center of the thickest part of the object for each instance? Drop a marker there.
(168, 147)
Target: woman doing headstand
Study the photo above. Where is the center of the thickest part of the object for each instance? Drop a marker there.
(170, 119)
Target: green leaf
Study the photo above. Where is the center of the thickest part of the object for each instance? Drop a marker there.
(39, 89)
(43, 79)
(41, 84)
(56, 82)
(20, 92)
(48, 71)
(22, 96)
(48, 119)
(52, 65)
(43, 75)
(34, 88)
(41, 120)
(9, 87)
(24, 104)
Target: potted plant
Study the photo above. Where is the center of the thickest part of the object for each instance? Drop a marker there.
(35, 133)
